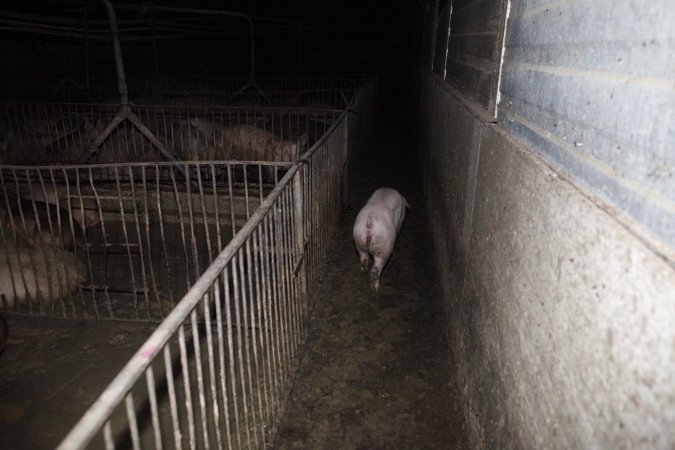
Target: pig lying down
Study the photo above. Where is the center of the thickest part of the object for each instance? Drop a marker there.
(35, 264)
(375, 230)
(240, 142)
(45, 273)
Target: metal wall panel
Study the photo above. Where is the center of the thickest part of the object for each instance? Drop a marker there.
(474, 48)
(591, 85)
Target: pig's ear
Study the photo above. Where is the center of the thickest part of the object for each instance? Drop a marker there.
(302, 141)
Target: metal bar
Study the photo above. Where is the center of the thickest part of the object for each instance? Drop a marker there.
(211, 12)
(299, 228)
(85, 24)
(119, 63)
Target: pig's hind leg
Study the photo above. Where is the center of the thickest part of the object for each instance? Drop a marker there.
(375, 272)
(365, 260)
(378, 264)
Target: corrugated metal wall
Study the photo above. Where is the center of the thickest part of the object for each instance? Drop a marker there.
(474, 48)
(591, 85)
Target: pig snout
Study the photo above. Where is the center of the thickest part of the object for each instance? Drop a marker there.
(375, 230)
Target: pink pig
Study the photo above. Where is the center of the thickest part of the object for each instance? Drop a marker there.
(375, 230)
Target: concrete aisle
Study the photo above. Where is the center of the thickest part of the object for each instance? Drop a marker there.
(376, 373)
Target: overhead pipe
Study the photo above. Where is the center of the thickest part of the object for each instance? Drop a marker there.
(85, 24)
(211, 12)
(119, 63)
(125, 113)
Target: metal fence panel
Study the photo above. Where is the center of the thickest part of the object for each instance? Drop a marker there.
(217, 371)
(117, 241)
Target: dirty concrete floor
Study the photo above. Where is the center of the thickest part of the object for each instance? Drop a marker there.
(54, 371)
(376, 370)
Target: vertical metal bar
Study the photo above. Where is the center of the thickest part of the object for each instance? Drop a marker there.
(173, 404)
(154, 412)
(215, 405)
(127, 242)
(105, 247)
(193, 237)
(230, 349)
(281, 286)
(119, 64)
(245, 323)
(240, 345)
(298, 225)
(154, 45)
(253, 327)
(148, 239)
(246, 197)
(185, 364)
(139, 238)
(162, 236)
(200, 379)
(294, 305)
(216, 205)
(271, 306)
(207, 234)
(107, 436)
(229, 190)
(87, 252)
(218, 297)
(286, 274)
(262, 320)
(182, 228)
(133, 424)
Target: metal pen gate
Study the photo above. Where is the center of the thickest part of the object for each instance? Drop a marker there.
(217, 371)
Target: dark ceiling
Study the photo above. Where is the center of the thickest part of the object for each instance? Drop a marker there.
(343, 32)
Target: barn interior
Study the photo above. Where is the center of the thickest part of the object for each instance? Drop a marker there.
(180, 186)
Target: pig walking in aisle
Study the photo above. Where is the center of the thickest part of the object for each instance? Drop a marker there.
(375, 230)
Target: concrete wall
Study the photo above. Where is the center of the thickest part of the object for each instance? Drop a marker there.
(561, 321)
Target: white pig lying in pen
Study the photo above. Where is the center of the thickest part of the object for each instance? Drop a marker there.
(40, 223)
(42, 273)
(34, 262)
(375, 230)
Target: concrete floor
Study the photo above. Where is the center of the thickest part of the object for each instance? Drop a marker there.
(376, 371)
(54, 371)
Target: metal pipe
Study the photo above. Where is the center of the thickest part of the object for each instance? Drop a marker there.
(86, 46)
(119, 64)
(207, 12)
(154, 45)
